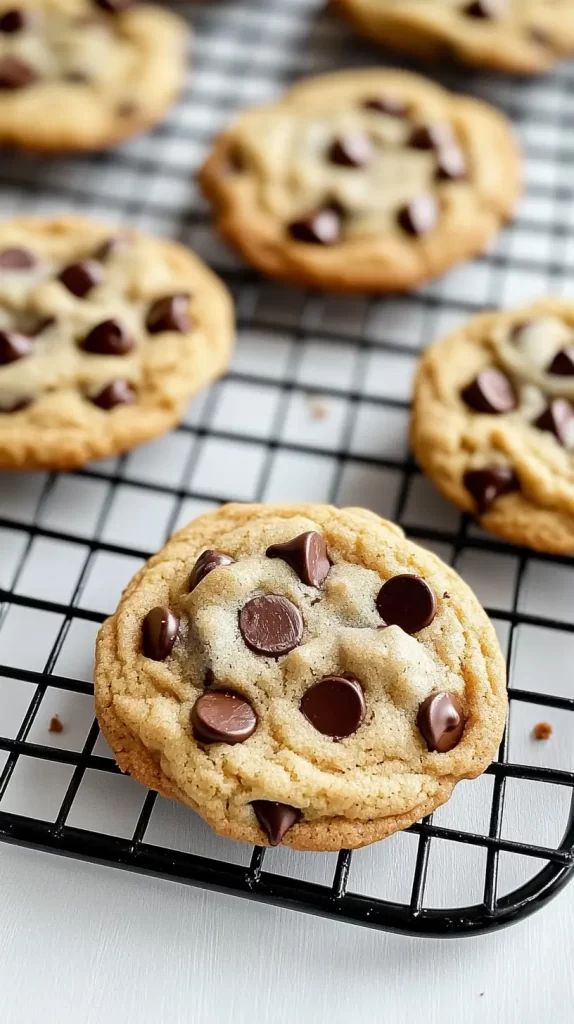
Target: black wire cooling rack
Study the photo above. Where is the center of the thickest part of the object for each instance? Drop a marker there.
(315, 408)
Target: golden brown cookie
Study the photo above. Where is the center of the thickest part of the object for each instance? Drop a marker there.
(512, 36)
(105, 334)
(363, 180)
(300, 674)
(493, 422)
(83, 74)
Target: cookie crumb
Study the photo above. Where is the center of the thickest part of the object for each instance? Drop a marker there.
(542, 731)
(446, 596)
(55, 725)
(319, 408)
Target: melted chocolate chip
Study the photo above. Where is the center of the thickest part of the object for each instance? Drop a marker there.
(16, 73)
(170, 313)
(390, 105)
(490, 392)
(563, 363)
(13, 346)
(538, 35)
(221, 716)
(118, 392)
(484, 8)
(15, 20)
(335, 706)
(79, 278)
(159, 632)
(420, 215)
(76, 76)
(271, 625)
(307, 556)
(206, 563)
(17, 406)
(110, 246)
(556, 419)
(488, 484)
(109, 338)
(17, 259)
(127, 108)
(322, 227)
(354, 150)
(114, 6)
(451, 164)
(437, 135)
(441, 722)
(275, 819)
(407, 601)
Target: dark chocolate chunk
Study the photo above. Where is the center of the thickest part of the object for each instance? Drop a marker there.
(420, 215)
(451, 164)
(13, 346)
(437, 135)
(18, 405)
(170, 313)
(406, 601)
(159, 632)
(17, 259)
(110, 246)
(488, 484)
(307, 556)
(335, 706)
(491, 392)
(354, 150)
(16, 73)
(271, 625)
(484, 8)
(114, 6)
(79, 278)
(441, 721)
(322, 227)
(15, 20)
(118, 392)
(206, 563)
(563, 362)
(109, 338)
(221, 716)
(556, 419)
(393, 106)
(275, 819)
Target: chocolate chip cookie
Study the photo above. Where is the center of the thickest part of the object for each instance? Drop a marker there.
(493, 422)
(83, 74)
(513, 36)
(300, 674)
(104, 336)
(363, 180)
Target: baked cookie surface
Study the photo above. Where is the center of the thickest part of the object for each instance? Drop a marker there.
(83, 74)
(300, 674)
(513, 36)
(363, 181)
(493, 422)
(105, 334)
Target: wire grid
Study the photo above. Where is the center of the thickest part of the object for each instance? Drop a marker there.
(69, 543)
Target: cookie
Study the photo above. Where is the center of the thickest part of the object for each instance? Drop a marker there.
(363, 180)
(510, 36)
(300, 674)
(83, 74)
(104, 336)
(493, 422)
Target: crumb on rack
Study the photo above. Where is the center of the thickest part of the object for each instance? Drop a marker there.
(55, 725)
(542, 731)
(319, 407)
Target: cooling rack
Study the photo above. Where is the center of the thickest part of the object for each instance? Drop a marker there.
(314, 408)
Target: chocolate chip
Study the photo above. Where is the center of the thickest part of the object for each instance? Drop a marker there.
(271, 625)
(491, 392)
(538, 35)
(563, 362)
(127, 108)
(119, 392)
(407, 601)
(79, 278)
(37, 325)
(451, 164)
(322, 227)
(108, 339)
(390, 105)
(437, 135)
(16, 73)
(114, 6)
(335, 706)
(76, 76)
(18, 405)
(441, 722)
(556, 419)
(275, 819)
(159, 632)
(420, 215)
(484, 8)
(307, 556)
(13, 346)
(15, 20)
(354, 150)
(17, 259)
(488, 484)
(110, 246)
(170, 313)
(206, 563)
(222, 717)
